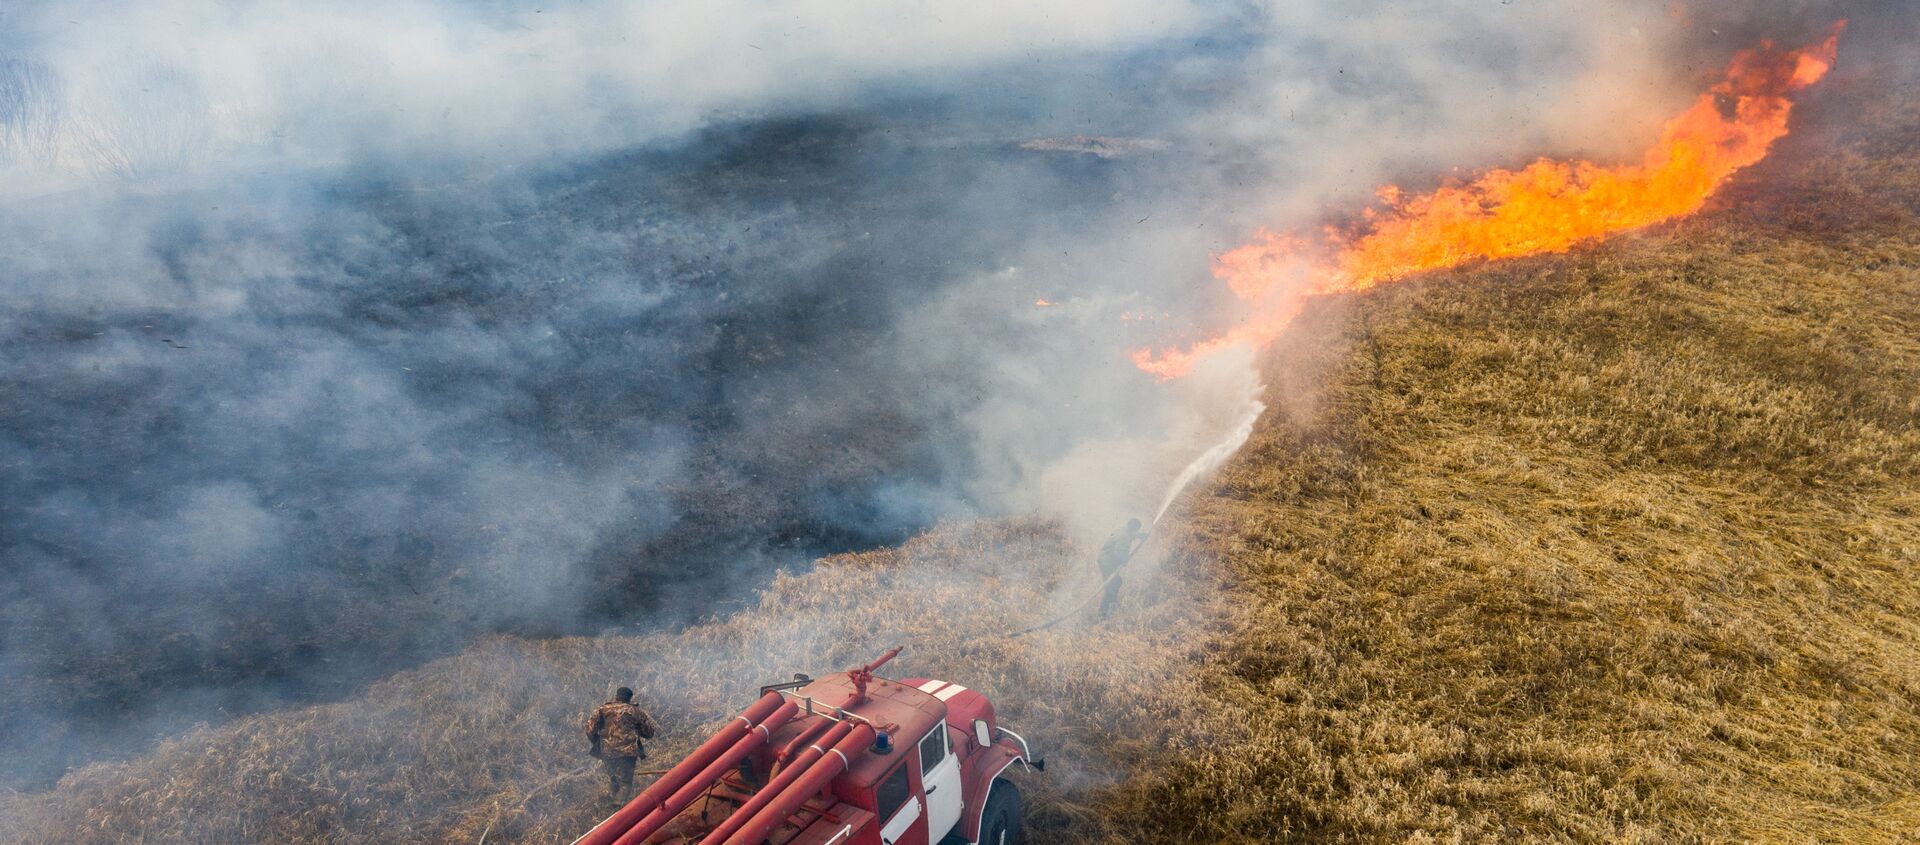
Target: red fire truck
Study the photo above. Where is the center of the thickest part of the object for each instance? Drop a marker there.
(849, 759)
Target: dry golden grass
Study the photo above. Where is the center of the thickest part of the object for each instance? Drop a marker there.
(487, 743)
(1619, 546)
(1613, 547)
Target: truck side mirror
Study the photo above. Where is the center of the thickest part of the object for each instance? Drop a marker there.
(980, 733)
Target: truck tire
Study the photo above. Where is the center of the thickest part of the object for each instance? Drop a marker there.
(1000, 824)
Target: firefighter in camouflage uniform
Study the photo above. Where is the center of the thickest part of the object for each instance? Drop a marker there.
(615, 729)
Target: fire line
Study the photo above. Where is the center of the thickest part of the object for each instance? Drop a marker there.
(1548, 206)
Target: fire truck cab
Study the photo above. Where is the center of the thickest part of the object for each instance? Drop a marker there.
(848, 759)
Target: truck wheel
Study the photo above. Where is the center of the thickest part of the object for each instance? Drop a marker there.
(1000, 824)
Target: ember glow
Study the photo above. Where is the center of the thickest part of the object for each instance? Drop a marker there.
(1548, 206)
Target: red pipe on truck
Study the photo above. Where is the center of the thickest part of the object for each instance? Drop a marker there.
(785, 755)
(811, 782)
(707, 777)
(794, 769)
(649, 800)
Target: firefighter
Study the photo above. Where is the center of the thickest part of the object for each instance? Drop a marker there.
(1114, 555)
(615, 730)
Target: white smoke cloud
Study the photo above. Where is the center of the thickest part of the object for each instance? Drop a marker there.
(1337, 98)
(160, 87)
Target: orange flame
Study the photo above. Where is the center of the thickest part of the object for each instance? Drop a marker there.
(1548, 206)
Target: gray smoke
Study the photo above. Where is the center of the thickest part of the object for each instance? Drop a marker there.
(338, 334)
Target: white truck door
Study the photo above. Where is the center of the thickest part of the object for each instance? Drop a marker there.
(940, 776)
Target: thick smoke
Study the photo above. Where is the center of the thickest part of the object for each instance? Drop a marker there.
(153, 88)
(339, 334)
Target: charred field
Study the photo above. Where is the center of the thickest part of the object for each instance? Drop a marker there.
(440, 351)
(1611, 546)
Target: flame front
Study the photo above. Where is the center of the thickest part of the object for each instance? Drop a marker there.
(1548, 206)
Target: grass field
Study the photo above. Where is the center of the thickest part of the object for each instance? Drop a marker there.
(1615, 546)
